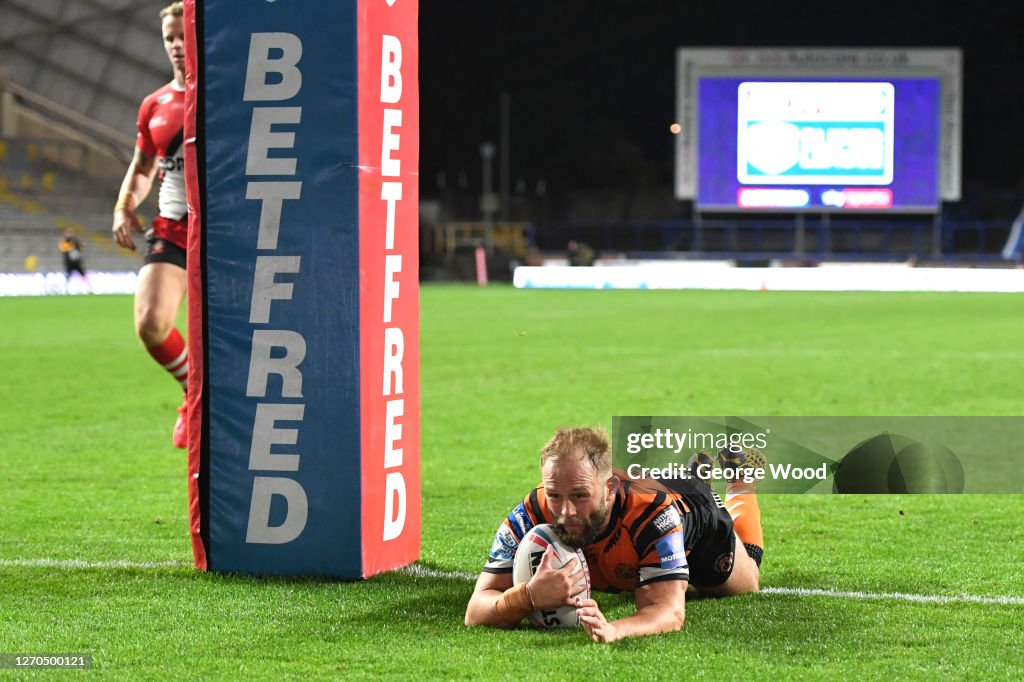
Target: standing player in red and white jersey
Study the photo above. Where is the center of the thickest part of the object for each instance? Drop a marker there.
(159, 147)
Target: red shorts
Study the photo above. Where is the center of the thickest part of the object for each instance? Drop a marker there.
(174, 231)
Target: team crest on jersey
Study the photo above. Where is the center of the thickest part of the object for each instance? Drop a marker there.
(625, 572)
(164, 98)
(667, 520)
(504, 546)
(723, 564)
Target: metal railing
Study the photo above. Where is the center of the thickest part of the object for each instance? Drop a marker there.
(779, 238)
(73, 124)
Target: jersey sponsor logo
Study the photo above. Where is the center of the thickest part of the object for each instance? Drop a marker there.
(667, 520)
(172, 165)
(613, 541)
(670, 551)
(504, 546)
(520, 520)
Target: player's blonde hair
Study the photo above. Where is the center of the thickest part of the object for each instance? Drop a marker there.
(579, 442)
(175, 9)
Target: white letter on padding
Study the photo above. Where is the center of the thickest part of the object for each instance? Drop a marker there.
(263, 490)
(394, 487)
(261, 365)
(260, 64)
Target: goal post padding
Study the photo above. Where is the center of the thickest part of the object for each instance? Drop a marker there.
(302, 154)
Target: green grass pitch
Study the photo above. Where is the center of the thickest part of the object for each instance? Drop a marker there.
(88, 474)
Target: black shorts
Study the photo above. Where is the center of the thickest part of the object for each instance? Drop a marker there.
(711, 548)
(714, 554)
(164, 251)
(74, 267)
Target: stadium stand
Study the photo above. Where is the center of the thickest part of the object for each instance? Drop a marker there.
(40, 197)
(74, 72)
(71, 76)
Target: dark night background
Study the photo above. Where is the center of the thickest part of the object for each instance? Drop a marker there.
(592, 84)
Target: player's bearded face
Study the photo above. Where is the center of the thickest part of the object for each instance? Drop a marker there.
(578, 499)
(579, 533)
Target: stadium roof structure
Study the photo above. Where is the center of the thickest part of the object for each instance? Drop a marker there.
(96, 58)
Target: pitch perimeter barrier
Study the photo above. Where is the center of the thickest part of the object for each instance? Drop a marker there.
(693, 274)
(302, 153)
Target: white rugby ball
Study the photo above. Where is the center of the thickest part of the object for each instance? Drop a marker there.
(526, 561)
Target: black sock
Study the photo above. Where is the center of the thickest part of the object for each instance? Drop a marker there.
(755, 553)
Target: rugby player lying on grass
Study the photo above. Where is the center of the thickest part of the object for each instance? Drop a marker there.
(636, 535)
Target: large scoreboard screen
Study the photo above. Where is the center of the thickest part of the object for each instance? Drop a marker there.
(818, 145)
(818, 130)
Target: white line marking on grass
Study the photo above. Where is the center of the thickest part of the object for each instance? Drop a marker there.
(78, 563)
(899, 596)
(420, 571)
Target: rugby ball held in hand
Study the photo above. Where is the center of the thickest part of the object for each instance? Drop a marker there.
(526, 561)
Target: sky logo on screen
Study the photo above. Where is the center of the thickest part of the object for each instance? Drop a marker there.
(880, 197)
(812, 133)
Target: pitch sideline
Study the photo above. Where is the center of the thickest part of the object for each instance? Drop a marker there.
(420, 571)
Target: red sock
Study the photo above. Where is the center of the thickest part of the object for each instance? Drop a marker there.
(172, 355)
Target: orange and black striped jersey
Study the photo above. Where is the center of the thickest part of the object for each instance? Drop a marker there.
(649, 533)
